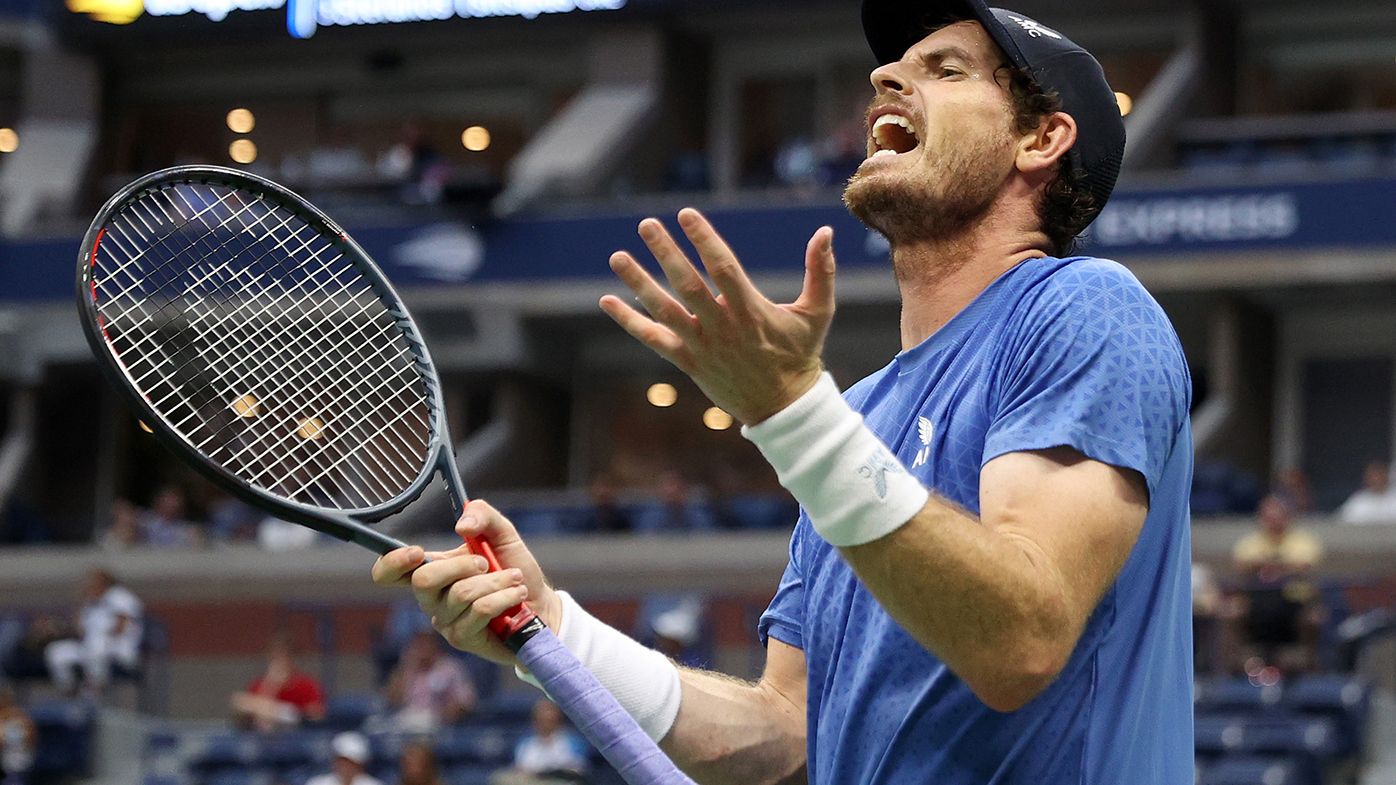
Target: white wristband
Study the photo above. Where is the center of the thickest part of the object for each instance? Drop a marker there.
(854, 489)
(643, 681)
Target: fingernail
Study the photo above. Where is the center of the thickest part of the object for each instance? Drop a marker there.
(516, 574)
(469, 523)
(415, 553)
(481, 564)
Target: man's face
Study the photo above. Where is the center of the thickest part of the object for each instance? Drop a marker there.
(940, 137)
(1274, 517)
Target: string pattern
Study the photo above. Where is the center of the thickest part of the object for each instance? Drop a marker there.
(260, 344)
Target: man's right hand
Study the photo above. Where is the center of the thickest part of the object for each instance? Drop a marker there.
(458, 593)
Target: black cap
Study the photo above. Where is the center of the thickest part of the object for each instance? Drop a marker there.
(1056, 63)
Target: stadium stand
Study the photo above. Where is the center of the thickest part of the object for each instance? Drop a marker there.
(1256, 205)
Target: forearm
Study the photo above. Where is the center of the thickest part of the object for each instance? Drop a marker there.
(983, 601)
(742, 733)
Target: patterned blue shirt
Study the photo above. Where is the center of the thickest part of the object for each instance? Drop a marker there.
(1056, 352)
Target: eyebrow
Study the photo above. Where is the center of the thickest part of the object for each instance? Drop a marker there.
(943, 53)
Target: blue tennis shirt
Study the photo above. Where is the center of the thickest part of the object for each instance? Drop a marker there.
(1055, 352)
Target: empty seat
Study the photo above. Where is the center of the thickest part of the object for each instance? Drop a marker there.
(1250, 771)
(474, 745)
(348, 712)
(1235, 694)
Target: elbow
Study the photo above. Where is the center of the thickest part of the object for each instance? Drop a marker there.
(1011, 685)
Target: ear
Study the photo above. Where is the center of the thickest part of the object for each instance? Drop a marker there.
(1040, 149)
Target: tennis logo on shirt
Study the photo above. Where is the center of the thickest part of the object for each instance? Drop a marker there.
(876, 469)
(925, 429)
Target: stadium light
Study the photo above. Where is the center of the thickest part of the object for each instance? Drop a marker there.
(476, 138)
(243, 151)
(9, 140)
(662, 395)
(716, 419)
(241, 121)
(1126, 103)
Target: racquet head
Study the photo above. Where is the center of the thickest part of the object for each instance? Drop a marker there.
(265, 348)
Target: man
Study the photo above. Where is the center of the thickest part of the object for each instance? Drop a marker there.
(283, 696)
(428, 689)
(109, 629)
(989, 580)
(1279, 614)
(349, 764)
(551, 754)
(1375, 501)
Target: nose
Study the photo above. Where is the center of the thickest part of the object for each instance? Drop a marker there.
(885, 79)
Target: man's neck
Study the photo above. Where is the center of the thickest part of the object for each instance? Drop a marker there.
(938, 279)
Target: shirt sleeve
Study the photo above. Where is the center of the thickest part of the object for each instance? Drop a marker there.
(1092, 364)
(784, 617)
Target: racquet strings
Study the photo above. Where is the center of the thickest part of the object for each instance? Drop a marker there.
(260, 344)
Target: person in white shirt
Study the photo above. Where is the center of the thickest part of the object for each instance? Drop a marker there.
(109, 632)
(550, 755)
(351, 757)
(1375, 501)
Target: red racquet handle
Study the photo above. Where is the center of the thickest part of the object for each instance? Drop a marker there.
(514, 620)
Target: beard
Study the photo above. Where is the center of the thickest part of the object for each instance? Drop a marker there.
(910, 205)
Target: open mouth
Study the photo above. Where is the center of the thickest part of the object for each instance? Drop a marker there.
(893, 134)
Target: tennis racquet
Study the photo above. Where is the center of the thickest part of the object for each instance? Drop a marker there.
(265, 348)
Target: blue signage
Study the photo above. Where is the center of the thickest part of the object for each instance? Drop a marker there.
(1151, 223)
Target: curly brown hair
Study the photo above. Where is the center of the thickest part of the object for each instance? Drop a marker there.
(1066, 207)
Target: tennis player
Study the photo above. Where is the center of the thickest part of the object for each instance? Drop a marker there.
(989, 580)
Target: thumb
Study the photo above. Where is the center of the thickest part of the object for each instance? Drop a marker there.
(817, 296)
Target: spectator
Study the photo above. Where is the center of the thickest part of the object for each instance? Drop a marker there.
(17, 739)
(675, 627)
(350, 762)
(428, 689)
(164, 525)
(676, 512)
(109, 633)
(549, 755)
(124, 532)
(1278, 614)
(1292, 485)
(605, 513)
(1375, 501)
(417, 766)
(277, 536)
(232, 520)
(283, 696)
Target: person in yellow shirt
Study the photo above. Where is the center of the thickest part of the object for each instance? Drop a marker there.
(1278, 610)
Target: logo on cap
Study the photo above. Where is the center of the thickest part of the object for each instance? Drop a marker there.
(1034, 29)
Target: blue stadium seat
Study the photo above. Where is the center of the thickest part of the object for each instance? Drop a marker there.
(1344, 699)
(469, 774)
(292, 749)
(473, 745)
(1235, 694)
(226, 751)
(1250, 771)
(161, 779)
(1218, 734)
(348, 711)
(238, 777)
(761, 512)
(506, 706)
(66, 732)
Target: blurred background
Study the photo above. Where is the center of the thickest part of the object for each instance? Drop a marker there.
(490, 154)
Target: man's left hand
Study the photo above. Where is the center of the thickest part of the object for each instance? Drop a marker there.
(750, 356)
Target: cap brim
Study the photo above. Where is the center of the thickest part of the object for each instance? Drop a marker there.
(893, 26)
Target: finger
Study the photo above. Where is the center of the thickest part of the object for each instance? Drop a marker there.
(464, 593)
(657, 337)
(433, 578)
(661, 305)
(817, 296)
(393, 568)
(483, 610)
(683, 277)
(718, 259)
